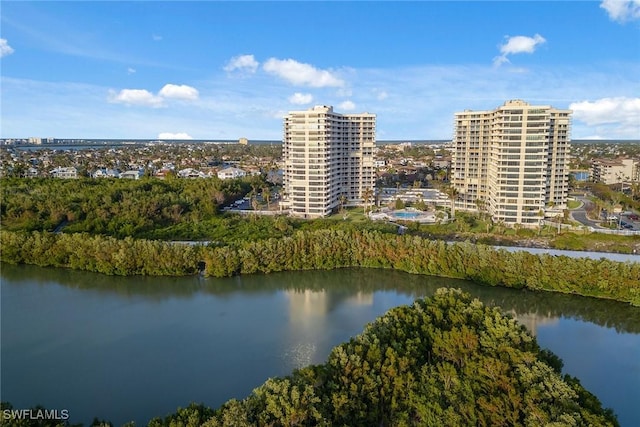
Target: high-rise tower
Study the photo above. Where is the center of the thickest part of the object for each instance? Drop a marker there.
(328, 160)
(513, 160)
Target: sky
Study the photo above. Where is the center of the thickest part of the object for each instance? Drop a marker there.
(227, 70)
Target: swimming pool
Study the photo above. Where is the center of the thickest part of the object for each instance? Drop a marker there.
(405, 215)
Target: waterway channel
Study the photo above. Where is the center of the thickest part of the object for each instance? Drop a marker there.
(131, 348)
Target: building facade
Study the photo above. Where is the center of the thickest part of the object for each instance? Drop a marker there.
(231, 173)
(328, 161)
(512, 161)
(64, 173)
(614, 171)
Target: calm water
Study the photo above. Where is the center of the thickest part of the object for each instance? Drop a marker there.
(133, 348)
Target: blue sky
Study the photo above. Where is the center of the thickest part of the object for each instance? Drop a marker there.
(225, 70)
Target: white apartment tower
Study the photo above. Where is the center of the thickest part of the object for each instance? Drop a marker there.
(328, 160)
(512, 161)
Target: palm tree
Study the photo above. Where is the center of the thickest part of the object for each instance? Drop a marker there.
(452, 192)
(266, 195)
(343, 200)
(599, 204)
(367, 195)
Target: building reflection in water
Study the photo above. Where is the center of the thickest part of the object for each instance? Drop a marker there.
(532, 320)
(308, 321)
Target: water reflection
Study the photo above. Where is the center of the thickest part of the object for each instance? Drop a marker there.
(308, 311)
(115, 342)
(344, 284)
(534, 320)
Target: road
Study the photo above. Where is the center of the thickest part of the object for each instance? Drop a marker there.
(580, 214)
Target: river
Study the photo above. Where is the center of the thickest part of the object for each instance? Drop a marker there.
(131, 348)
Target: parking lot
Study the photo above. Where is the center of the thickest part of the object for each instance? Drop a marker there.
(624, 220)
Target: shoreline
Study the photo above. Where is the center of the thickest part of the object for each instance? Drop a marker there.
(511, 267)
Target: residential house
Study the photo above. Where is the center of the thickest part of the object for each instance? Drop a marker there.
(231, 173)
(64, 173)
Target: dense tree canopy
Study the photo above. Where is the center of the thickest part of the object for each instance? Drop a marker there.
(116, 207)
(328, 249)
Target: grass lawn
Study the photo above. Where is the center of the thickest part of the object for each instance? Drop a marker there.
(573, 204)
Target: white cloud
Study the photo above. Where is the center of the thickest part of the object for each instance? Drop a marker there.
(135, 97)
(617, 117)
(183, 92)
(301, 98)
(5, 49)
(607, 111)
(169, 135)
(347, 106)
(421, 103)
(301, 74)
(131, 70)
(622, 10)
(156, 37)
(243, 63)
(517, 44)
(143, 97)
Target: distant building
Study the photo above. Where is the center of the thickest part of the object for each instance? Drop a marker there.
(513, 159)
(132, 174)
(613, 171)
(441, 162)
(328, 158)
(64, 173)
(191, 173)
(243, 141)
(105, 173)
(231, 173)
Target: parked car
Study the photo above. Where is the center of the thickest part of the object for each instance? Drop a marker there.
(633, 217)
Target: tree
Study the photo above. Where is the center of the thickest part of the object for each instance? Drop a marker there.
(367, 195)
(452, 192)
(266, 195)
(343, 201)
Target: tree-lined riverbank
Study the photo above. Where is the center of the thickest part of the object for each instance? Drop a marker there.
(328, 249)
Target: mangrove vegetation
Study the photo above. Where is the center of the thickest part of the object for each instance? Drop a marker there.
(327, 249)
